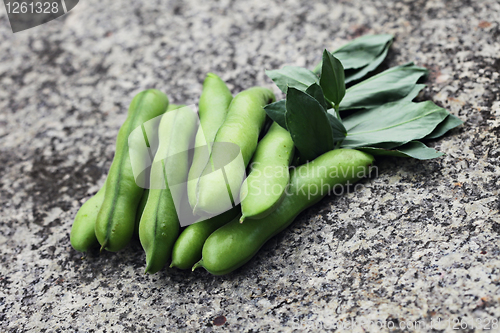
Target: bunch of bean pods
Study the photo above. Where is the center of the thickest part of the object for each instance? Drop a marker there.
(223, 242)
(294, 151)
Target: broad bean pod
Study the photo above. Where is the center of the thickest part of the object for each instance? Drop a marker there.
(212, 108)
(218, 190)
(159, 224)
(232, 245)
(264, 188)
(115, 222)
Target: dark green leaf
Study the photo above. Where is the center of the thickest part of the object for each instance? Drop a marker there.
(362, 51)
(399, 122)
(292, 76)
(276, 111)
(450, 122)
(381, 152)
(387, 145)
(339, 131)
(362, 72)
(390, 85)
(315, 91)
(332, 78)
(308, 124)
(363, 54)
(415, 149)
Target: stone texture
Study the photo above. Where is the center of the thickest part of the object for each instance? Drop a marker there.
(418, 242)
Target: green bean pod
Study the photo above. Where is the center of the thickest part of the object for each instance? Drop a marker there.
(173, 106)
(232, 245)
(140, 210)
(82, 236)
(218, 188)
(214, 102)
(187, 248)
(264, 188)
(159, 224)
(116, 219)
(144, 197)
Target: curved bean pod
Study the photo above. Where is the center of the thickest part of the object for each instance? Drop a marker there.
(82, 236)
(159, 224)
(214, 102)
(187, 248)
(144, 197)
(232, 245)
(216, 189)
(265, 186)
(116, 219)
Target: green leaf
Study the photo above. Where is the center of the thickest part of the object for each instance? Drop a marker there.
(308, 125)
(387, 145)
(292, 76)
(398, 122)
(315, 91)
(339, 131)
(332, 78)
(362, 51)
(450, 122)
(415, 149)
(362, 72)
(276, 111)
(362, 54)
(381, 151)
(414, 92)
(390, 85)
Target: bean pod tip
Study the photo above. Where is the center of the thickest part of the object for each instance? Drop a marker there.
(150, 269)
(103, 246)
(198, 264)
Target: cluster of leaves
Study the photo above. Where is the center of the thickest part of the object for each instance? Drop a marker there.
(376, 115)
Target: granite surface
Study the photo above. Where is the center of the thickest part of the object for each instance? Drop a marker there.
(417, 245)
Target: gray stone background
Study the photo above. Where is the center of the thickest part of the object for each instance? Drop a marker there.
(419, 242)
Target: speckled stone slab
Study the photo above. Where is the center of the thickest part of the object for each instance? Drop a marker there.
(417, 245)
